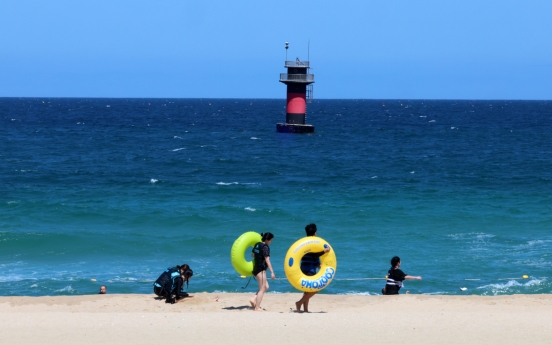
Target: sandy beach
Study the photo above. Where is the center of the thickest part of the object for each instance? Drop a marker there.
(341, 319)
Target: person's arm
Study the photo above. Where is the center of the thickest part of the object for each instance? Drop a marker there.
(269, 265)
(319, 254)
(413, 277)
(180, 293)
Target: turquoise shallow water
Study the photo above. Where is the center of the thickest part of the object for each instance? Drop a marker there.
(119, 189)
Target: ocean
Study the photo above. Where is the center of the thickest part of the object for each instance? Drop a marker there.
(113, 191)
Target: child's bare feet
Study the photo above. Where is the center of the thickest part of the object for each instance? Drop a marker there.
(252, 302)
(259, 309)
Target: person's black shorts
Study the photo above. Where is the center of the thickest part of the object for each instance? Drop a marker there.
(258, 270)
(390, 290)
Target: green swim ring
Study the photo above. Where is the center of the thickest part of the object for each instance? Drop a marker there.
(237, 253)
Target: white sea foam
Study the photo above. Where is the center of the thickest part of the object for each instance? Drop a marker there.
(250, 209)
(14, 278)
(504, 287)
(146, 281)
(153, 180)
(359, 293)
(534, 242)
(122, 280)
(68, 288)
(472, 235)
(484, 236)
(177, 137)
(34, 285)
(432, 121)
(182, 148)
(254, 138)
(374, 177)
(226, 183)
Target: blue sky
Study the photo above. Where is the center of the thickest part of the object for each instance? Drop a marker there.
(485, 49)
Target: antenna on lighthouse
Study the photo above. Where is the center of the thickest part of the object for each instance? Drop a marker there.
(308, 51)
(287, 47)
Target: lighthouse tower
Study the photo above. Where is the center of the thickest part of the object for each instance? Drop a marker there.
(299, 92)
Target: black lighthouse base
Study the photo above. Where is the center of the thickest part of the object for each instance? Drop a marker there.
(294, 128)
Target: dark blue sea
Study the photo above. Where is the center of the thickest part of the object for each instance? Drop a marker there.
(113, 191)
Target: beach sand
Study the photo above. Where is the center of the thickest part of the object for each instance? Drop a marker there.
(335, 319)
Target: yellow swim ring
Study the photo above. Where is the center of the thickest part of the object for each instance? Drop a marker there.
(237, 253)
(292, 265)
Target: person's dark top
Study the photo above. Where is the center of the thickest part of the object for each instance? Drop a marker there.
(396, 274)
(310, 262)
(395, 278)
(261, 252)
(165, 277)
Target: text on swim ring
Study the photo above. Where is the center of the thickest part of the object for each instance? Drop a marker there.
(304, 244)
(320, 282)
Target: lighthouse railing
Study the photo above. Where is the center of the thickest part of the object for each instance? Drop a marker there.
(295, 63)
(300, 78)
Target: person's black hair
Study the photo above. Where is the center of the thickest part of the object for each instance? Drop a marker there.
(186, 272)
(183, 267)
(394, 261)
(266, 236)
(310, 229)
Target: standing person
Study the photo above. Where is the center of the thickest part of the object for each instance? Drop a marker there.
(309, 264)
(395, 277)
(261, 255)
(172, 282)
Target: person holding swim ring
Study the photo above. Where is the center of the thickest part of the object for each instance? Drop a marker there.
(261, 255)
(309, 265)
(395, 277)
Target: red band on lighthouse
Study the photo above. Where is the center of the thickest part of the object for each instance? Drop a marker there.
(296, 103)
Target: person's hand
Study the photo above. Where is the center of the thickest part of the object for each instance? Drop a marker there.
(327, 249)
(272, 276)
(419, 277)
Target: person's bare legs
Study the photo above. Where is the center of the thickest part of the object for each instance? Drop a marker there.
(304, 301)
(263, 287)
(253, 300)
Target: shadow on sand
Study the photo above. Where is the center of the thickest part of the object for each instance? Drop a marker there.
(238, 308)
